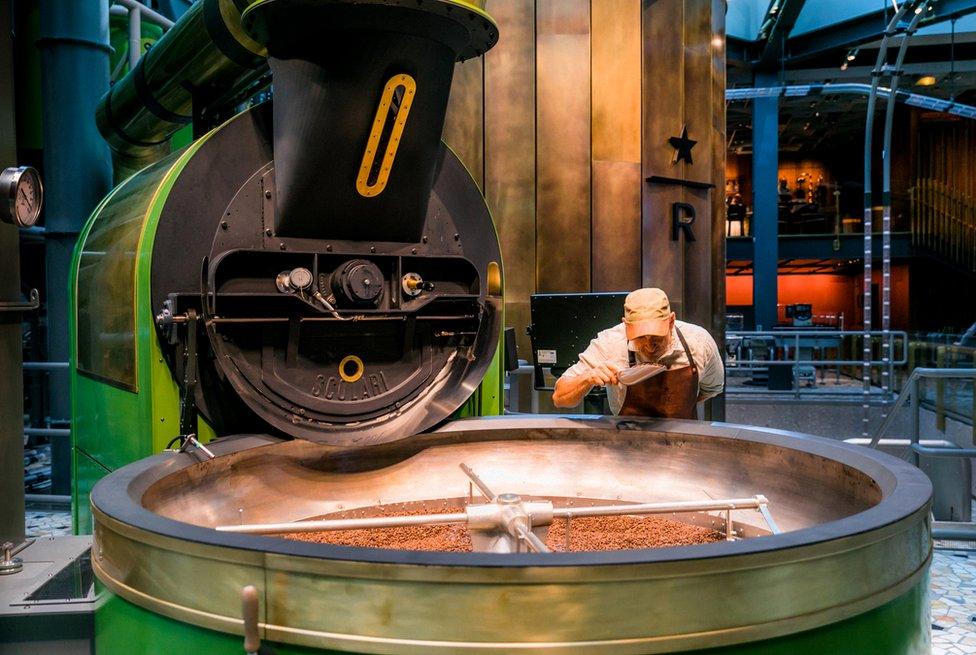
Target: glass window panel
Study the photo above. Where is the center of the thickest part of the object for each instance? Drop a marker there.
(105, 293)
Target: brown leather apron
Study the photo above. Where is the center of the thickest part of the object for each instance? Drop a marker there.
(671, 394)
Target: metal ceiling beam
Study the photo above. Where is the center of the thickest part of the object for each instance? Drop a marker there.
(786, 13)
(947, 10)
(844, 34)
(865, 29)
(864, 72)
(740, 51)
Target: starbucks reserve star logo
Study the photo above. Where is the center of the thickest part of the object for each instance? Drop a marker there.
(682, 146)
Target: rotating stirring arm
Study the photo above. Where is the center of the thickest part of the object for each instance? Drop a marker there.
(505, 523)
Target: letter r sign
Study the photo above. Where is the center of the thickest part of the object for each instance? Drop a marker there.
(682, 218)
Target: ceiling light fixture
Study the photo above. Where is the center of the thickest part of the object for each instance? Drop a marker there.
(926, 80)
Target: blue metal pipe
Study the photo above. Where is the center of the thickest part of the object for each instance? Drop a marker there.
(765, 218)
(74, 43)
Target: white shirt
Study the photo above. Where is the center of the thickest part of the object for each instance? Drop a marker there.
(611, 346)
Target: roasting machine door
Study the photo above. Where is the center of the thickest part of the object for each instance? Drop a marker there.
(351, 289)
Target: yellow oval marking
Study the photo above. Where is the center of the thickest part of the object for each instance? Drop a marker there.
(409, 86)
(351, 368)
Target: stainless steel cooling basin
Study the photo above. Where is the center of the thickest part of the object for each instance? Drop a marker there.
(855, 536)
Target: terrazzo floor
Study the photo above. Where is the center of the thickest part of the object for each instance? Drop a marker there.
(953, 594)
(953, 587)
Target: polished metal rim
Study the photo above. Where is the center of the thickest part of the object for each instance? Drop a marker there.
(664, 600)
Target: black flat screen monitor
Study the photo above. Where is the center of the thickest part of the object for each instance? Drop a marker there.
(563, 325)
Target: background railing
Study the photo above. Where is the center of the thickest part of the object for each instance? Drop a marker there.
(946, 397)
(809, 363)
(822, 366)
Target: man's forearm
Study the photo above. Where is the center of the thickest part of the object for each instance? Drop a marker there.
(570, 391)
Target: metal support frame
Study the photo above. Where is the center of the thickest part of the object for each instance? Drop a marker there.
(860, 30)
(765, 166)
(880, 66)
(781, 19)
(887, 372)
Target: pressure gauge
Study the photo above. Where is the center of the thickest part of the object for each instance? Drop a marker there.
(21, 196)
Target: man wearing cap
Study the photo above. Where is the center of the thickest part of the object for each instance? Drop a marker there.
(651, 364)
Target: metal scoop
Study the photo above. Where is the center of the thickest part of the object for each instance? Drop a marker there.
(639, 373)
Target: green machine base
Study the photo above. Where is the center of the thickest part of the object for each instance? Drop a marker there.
(901, 627)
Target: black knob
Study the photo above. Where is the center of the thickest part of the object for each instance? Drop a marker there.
(359, 282)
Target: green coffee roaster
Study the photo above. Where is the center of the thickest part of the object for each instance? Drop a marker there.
(284, 321)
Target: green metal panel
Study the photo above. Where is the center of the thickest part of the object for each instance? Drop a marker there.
(111, 425)
(487, 400)
(900, 627)
(85, 473)
(124, 628)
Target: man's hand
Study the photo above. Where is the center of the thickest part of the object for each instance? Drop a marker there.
(602, 375)
(569, 391)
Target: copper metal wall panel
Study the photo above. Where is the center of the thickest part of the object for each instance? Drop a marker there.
(663, 106)
(510, 174)
(465, 120)
(697, 116)
(563, 146)
(616, 144)
(616, 79)
(616, 225)
(684, 82)
(574, 109)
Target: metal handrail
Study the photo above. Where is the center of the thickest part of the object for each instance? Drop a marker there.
(937, 451)
(911, 390)
(798, 334)
(956, 530)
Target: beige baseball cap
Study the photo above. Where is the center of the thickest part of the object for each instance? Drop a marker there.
(647, 312)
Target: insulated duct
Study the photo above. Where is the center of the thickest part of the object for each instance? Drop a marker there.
(201, 57)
